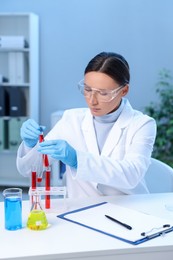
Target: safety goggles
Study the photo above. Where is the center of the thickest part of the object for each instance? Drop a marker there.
(103, 95)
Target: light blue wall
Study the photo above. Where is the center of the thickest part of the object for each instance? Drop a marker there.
(73, 31)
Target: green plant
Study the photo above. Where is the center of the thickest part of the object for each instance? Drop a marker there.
(162, 112)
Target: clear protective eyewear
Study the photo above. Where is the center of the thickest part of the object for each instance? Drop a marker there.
(102, 94)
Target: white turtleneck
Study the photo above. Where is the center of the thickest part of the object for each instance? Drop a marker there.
(103, 124)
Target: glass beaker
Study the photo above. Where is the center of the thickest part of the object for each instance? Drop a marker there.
(13, 208)
(37, 218)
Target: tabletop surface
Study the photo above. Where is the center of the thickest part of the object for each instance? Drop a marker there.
(63, 238)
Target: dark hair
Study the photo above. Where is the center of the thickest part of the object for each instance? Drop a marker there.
(112, 64)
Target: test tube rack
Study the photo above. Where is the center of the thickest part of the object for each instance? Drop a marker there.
(57, 195)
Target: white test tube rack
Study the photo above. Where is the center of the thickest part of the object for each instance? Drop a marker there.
(57, 198)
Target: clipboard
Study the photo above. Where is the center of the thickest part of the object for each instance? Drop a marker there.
(144, 227)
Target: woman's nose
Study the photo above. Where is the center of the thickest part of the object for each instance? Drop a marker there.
(93, 98)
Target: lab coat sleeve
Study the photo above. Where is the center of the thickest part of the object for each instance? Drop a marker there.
(125, 173)
(28, 159)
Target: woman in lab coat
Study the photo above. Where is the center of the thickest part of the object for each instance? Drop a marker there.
(107, 146)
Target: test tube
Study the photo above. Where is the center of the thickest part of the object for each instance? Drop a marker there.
(39, 176)
(47, 172)
(33, 179)
(41, 137)
(47, 187)
(45, 157)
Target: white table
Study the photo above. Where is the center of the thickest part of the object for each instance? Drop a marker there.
(65, 240)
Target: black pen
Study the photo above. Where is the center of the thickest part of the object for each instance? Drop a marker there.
(119, 222)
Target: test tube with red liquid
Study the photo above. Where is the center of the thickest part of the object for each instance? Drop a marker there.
(33, 180)
(45, 157)
(47, 188)
(47, 173)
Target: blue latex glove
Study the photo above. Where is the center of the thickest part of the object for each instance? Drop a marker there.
(60, 150)
(30, 132)
(62, 169)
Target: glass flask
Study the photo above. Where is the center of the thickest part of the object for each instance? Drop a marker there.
(37, 218)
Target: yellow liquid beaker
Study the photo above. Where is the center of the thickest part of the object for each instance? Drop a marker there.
(37, 220)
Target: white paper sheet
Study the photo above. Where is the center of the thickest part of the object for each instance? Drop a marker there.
(94, 217)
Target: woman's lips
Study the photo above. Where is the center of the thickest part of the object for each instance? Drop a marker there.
(95, 110)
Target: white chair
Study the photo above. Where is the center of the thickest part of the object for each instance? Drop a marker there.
(159, 177)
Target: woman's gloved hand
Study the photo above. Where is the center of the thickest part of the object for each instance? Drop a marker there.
(30, 132)
(60, 150)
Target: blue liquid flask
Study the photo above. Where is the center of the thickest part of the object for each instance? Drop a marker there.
(13, 209)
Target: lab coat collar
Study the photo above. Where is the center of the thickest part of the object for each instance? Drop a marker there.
(114, 135)
(117, 129)
(89, 133)
(126, 115)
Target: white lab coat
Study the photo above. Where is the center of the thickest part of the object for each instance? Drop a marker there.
(122, 164)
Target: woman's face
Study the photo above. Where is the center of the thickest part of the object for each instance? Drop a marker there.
(100, 81)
